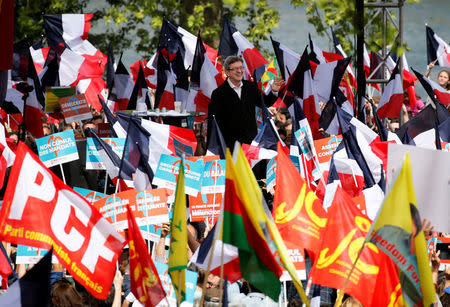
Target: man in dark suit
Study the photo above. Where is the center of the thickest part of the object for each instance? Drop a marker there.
(233, 104)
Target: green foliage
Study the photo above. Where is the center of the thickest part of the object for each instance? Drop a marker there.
(142, 19)
(340, 15)
(136, 23)
(28, 22)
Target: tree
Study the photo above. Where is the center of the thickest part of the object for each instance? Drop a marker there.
(28, 21)
(136, 23)
(204, 15)
(340, 14)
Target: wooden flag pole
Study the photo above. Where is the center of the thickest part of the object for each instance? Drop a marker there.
(179, 289)
(207, 270)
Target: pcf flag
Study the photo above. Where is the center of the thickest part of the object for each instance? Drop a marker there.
(40, 210)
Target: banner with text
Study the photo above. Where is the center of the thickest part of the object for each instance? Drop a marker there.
(57, 148)
(39, 210)
(90, 195)
(149, 207)
(75, 108)
(167, 173)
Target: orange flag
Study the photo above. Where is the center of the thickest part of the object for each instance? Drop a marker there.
(145, 283)
(341, 242)
(297, 211)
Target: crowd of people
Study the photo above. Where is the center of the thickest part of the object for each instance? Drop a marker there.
(233, 107)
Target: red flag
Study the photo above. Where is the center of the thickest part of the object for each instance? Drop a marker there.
(5, 267)
(297, 211)
(40, 210)
(341, 241)
(388, 290)
(145, 283)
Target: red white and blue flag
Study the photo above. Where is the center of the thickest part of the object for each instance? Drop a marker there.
(392, 98)
(437, 49)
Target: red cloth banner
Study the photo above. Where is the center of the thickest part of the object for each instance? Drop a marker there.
(145, 283)
(40, 210)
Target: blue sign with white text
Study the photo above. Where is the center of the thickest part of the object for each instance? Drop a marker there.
(57, 148)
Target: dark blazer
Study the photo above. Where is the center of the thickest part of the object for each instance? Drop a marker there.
(236, 117)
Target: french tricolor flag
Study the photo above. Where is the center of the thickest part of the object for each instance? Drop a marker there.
(434, 90)
(392, 99)
(232, 42)
(72, 30)
(122, 88)
(301, 83)
(286, 58)
(204, 80)
(339, 50)
(437, 49)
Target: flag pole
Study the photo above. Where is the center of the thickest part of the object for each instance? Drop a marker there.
(62, 172)
(208, 270)
(106, 183)
(221, 277)
(179, 289)
(144, 203)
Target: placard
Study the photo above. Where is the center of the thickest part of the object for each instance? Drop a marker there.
(191, 283)
(430, 171)
(57, 148)
(213, 180)
(167, 173)
(91, 196)
(104, 130)
(52, 95)
(297, 256)
(205, 207)
(93, 159)
(272, 168)
(149, 207)
(31, 255)
(325, 147)
(75, 108)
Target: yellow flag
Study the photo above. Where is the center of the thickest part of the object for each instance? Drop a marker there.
(178, 257)
(264, 225)
(397, 231)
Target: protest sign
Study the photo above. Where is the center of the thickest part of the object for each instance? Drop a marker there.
(31, 255)
(93, 159)
(40, 210)
(213, 180)
(205, 207)
(259, 118)
(167, 173)
(325, 148)
(430, 169)
(272, 168)
(90, 195)
(297, 256)
(182, 148)
(52, 95)
(75, 108)
(103, 130)
(271, 173)
(191, 283)
(149, 207)
(57, 148)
